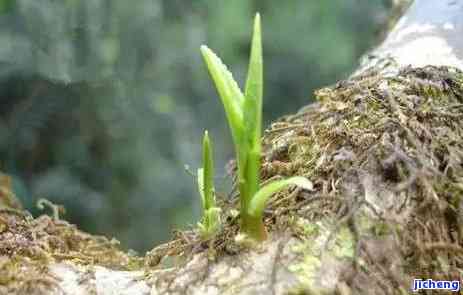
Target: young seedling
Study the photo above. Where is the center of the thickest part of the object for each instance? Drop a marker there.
(244, 114)
(211, 213)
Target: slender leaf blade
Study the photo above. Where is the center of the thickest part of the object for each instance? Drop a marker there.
(229, 92)
(208, 173)
(254, 87)
(258, 201)
(253, 112)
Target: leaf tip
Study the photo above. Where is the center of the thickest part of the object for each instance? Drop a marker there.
(206, 145)
(257, 18)
(257, 22)
(204, 50)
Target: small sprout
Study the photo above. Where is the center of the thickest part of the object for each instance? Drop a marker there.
(244, 114)
(210, 222)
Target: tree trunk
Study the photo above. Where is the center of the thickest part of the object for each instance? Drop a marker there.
(385, 204)
(428, 34)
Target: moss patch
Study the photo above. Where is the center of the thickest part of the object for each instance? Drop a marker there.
(28, 245)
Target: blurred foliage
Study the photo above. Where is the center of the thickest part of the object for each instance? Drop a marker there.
(102, 102)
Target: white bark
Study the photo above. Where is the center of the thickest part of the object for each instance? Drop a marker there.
(428, 34)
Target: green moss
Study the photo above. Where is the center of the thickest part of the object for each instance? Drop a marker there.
(28, 246)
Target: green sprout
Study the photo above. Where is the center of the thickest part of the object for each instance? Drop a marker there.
(211, 213)
(244, 115)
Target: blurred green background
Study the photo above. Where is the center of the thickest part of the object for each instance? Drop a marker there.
(103, 102)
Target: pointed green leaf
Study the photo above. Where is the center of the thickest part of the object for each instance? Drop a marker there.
(208, 173)
(258, 201)
(229, 92)
(211, 214)
(253, 111)
(254, 88)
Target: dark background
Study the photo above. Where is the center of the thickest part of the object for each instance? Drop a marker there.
(103, 102)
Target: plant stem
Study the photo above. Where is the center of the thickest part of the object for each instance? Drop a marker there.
(251, 145)
(250, 225)
(208, 170)
(253, 227)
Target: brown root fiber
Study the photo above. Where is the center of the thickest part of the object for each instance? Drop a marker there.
(390, 147)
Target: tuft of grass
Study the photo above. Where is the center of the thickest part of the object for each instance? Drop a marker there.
(244, 115)
(210, 222)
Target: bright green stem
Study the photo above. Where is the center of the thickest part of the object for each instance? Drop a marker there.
(211, 213)
(253, 120)
(253, 227)
(248, 189)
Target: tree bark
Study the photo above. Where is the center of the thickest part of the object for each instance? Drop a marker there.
(428, 34)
